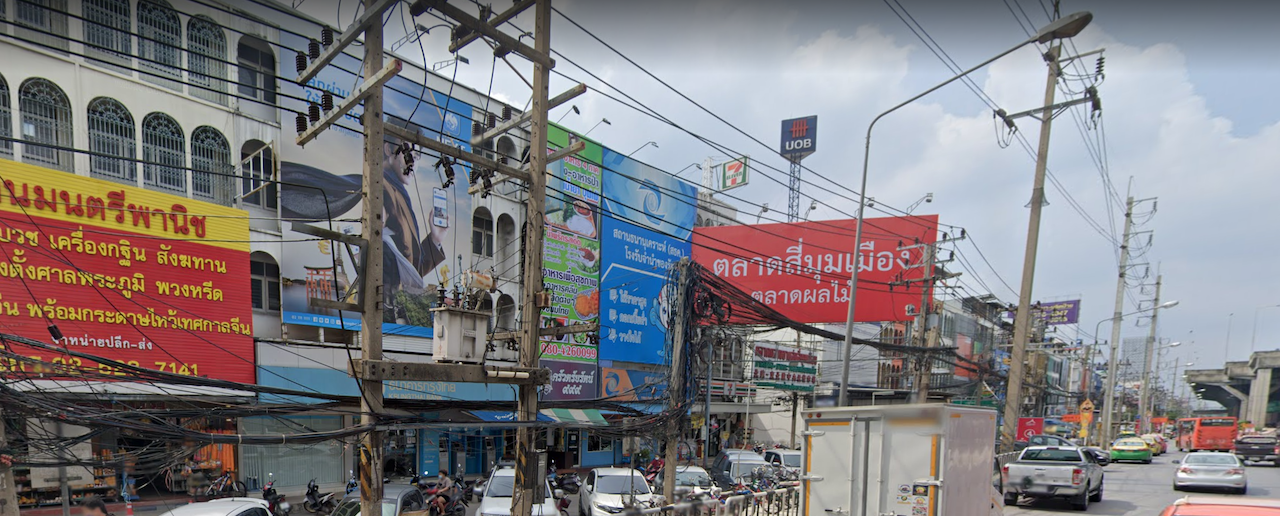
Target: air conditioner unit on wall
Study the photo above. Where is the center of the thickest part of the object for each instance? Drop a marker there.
(460, 335)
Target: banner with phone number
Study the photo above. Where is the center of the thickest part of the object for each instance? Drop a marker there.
(571, 250)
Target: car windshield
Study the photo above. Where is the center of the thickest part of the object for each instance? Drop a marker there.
(791, 460)
(351, 507)
(1217, 422)
(693, 478)
(622, 484)
(1052, 455)
(501, 487)
(1130, 442)
(1213, 460)
(742, 469)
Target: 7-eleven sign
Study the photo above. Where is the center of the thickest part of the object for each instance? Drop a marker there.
(733, 174)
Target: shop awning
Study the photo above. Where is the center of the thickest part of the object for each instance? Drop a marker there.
(575, 416)
(500, 416)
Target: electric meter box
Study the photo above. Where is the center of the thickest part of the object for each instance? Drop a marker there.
(460, 335)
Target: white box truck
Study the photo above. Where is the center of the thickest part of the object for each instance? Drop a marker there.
(900, 460)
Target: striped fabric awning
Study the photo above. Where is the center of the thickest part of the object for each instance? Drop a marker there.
(575, 416)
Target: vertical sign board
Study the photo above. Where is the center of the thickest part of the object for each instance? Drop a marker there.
(571, 265)
(648, 221)
(1029, 426)
(131, 275)
(428, 223)
(799, 137)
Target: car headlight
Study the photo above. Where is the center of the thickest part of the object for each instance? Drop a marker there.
(608, 508)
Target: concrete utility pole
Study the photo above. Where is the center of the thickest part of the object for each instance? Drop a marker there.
(677, 381)
(1117, 319)
(1022, 319)
(8, 491)
(1144, 394)
(924, 369)
(531, 303)
(371, 279)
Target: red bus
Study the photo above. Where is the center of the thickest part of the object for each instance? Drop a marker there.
(1207, 433)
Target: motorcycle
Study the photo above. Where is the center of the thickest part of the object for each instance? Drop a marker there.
(568, 482)
(651, 472)
(276, 504)
(316, 502)
(352, 483)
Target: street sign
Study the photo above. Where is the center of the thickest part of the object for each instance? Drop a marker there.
(1086, 406)
(1029, 426)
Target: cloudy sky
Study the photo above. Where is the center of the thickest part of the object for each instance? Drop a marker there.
(1190, 116)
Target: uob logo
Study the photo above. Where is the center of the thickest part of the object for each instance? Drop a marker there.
(799, 127)
(652, 202)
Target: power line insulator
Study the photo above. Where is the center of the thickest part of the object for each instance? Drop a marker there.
(506, 113)
(326, 101)
(477, 129)
(300, 121)
(493, 120)
(326, 36)
(300, 62)
(313, 48)
(313, 112)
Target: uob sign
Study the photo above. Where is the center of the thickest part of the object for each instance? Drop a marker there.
(799, 137)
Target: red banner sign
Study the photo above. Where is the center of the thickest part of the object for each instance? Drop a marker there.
(131, 275)
(1029, 426)
(802, 270)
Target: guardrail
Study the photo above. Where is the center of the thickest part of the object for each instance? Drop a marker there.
(778, 502)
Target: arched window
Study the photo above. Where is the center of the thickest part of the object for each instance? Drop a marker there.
(482, 233)
(506, 313)
(164, 153)
(6, 118)
(160, 43)
(108, 32)
(46, 119)
(48, 16)
(111, 131)
(257, 170)
(211, 166)
(264, 281)
(257, 65)
(508, 250)
(207, 60)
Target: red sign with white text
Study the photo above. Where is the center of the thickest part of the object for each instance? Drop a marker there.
(131, 275)
(802, 270)
(1029, 426)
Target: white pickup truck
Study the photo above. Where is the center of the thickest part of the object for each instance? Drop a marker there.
(1054, 472)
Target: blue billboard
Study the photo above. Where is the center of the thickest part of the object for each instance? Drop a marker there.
(648, 218)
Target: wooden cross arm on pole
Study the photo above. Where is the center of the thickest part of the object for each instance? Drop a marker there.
(484, 28)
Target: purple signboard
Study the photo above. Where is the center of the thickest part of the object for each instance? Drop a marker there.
(572, 380)
(1055, 312)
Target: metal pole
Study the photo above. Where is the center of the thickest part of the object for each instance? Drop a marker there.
(1144, 393)
(1022, 319)
(527, 488)
(862, 204)
(1113, 368)
(371, 280)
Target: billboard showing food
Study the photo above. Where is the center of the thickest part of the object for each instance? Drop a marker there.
(802, 269)
(571, 249)
(428, 216)
(648, 219)
(135, 276)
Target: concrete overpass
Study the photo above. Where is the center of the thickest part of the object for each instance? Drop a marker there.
(1244, 388)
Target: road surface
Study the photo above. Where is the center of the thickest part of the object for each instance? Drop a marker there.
(1146, 489)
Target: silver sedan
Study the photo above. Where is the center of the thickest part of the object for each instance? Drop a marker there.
(1211, 470)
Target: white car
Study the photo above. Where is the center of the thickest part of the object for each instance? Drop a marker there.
(239, 506)
(693, 478)
(499, 490)
(609, 491)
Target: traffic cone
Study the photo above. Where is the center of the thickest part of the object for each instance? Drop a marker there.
(128, 507)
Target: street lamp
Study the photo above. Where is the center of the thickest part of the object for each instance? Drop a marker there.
(764, 208)
(1064, 27)
(1253, 343)
(1108, 397)
(604, 121)
(813, 205)
(654, 144)
(686, 167)
(574, 110)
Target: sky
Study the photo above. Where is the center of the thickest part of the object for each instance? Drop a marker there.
(1189, 117)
